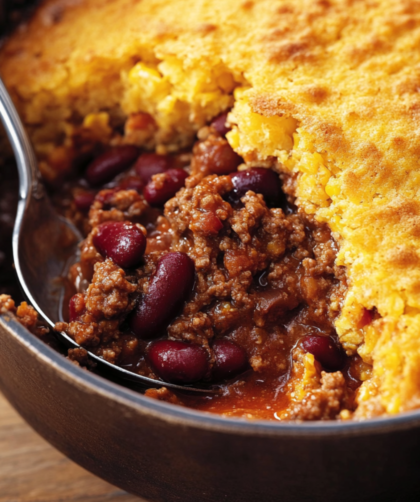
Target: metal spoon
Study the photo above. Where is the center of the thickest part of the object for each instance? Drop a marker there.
(45, 244)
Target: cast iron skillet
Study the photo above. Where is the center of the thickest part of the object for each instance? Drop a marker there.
(167, 453)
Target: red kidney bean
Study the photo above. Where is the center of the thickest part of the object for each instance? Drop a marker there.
(178, 362)
(224, 160)
(214, 156)
(84, 200)
(121, 241)
(76, 307)
(230, 359)
(158, 192)
(149, 164)
(325, 351)
(112, 162)
(169, 288)
(259, 180)
(219, 124)
(132, 183)
(218, 157)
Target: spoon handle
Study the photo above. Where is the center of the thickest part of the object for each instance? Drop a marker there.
(22, 148)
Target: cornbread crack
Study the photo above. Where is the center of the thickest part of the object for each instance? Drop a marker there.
(325, 90)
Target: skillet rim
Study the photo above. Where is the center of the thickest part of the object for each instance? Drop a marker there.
(90, 382)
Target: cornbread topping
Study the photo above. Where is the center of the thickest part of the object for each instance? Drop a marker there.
(323, 94)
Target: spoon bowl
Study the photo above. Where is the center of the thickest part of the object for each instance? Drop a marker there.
(46, 244)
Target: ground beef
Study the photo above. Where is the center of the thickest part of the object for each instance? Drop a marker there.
(25, 314)
(116, 205)
(324, 403)
(265, 278)
(291, 255)
(80, 357)
(99, 312)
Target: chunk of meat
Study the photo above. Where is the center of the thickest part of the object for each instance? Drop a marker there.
(323, 403)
